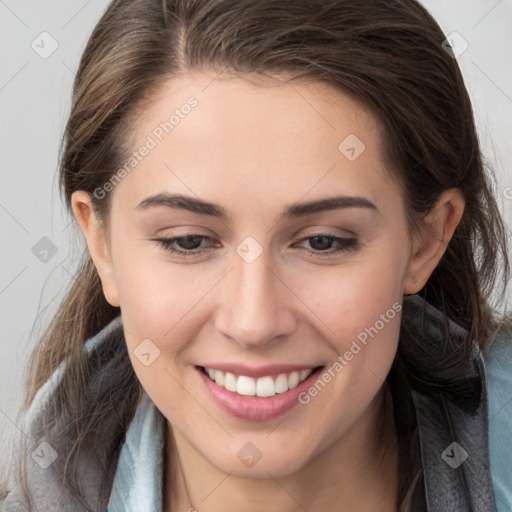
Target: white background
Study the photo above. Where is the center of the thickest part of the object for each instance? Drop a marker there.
(34, 104)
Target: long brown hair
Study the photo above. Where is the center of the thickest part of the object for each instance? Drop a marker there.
(387, 54)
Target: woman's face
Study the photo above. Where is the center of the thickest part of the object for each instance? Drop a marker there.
(298, 258)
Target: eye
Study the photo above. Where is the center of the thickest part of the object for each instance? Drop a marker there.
(322, 244)
(186, 245)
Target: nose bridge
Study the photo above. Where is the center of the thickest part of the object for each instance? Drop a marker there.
(254, 309)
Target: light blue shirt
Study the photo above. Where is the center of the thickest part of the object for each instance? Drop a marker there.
(138, 480)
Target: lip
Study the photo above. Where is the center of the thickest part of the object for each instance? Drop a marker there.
(255, 408)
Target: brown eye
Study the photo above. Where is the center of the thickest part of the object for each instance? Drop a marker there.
(184, 245)
(321, 243)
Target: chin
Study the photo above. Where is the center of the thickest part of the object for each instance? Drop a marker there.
(261, 463)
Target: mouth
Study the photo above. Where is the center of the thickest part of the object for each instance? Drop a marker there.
(256, 399)
(264, 386)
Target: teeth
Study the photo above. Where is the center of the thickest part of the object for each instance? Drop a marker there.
(245, 386)
(265, 387)
(230, 382)
(293, 379)
(262, 387)
(219, 378)
(281, 383)
(304, 374)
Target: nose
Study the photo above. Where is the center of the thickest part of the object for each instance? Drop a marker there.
(256, 305)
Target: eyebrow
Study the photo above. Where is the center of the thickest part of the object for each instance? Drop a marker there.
(292, 211)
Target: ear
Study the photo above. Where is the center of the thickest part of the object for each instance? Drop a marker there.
(96, 239)
(432, 240)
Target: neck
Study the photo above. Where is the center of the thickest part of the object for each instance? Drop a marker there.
(359, 471)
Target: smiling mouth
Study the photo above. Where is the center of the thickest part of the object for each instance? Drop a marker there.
(265, 386)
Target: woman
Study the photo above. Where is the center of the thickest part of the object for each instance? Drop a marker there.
(291, 244)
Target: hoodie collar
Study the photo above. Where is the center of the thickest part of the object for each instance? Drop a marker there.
(447, 401)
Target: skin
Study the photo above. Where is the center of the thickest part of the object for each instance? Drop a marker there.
(255, 149)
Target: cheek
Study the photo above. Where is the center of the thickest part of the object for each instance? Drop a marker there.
(157, 296)
(359, 306)
(362, 310)
(350, 297)
(159, 304)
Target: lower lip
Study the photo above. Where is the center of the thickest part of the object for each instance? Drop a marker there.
(254, 408)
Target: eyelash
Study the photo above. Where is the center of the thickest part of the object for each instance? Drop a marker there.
(346, 244)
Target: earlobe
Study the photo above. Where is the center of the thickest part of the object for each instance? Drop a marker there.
(433, 238)
(95, 238)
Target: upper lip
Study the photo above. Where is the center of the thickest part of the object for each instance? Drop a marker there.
(262, 371)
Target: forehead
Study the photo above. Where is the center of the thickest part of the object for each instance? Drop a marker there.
(256, 138)
(283, 109)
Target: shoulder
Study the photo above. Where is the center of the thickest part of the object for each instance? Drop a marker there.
(498, 365)
(37, 454)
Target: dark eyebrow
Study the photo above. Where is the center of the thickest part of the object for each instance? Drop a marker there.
(292, 211)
